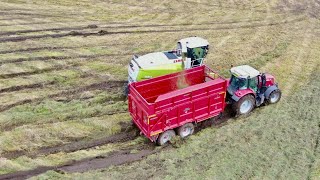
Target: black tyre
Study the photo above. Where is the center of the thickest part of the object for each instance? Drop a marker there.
(165, 137)
(185, 130)
(126, 90)
(244, 106)
(274, 97)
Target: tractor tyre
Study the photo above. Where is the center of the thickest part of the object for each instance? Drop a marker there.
(274, 97)
(165, 137)
(185, 130)
(244, 106)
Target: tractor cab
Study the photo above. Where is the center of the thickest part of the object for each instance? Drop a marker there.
(249, 88)
(244, 78)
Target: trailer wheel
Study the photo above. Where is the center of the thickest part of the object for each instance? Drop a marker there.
(165, 137)
(274, 97)
(244, 106)
(185, 130)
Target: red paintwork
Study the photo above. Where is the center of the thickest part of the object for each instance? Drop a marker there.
(157, 104)
(244, 92)
(270, 80)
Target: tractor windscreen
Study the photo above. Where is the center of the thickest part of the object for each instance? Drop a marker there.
(238, 83)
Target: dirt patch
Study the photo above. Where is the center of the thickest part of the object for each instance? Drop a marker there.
(103, 161)
(114, 159)
(38, 71)
(80, 144)
(29, 86)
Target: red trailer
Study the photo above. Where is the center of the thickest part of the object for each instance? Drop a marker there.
(162, 106)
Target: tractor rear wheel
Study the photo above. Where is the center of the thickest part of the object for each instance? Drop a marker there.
(274, 97)
(185, 130)
(165, 137)
(244, 106)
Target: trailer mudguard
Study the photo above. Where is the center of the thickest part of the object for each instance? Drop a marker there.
(269, 91)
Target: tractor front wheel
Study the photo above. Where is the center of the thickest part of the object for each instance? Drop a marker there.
(165, 137)
(244, 106)
(274, 97)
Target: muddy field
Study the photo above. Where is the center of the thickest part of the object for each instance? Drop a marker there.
(63, 67)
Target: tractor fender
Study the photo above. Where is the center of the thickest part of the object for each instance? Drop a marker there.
(235, 98)
(243, 93)
(269, 91)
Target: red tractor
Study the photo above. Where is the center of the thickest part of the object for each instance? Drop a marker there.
(248, 88)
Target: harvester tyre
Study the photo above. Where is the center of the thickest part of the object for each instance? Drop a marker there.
(185, 130)
(165, 137)
(244, 106)
(274, 97)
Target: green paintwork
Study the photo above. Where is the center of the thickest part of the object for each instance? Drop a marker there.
(159, 71)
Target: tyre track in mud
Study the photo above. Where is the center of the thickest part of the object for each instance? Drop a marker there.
(105, 32)
(28, 86)
(122, 156)
(38, 71)
(102, 86)
(94, 26)
(37, 15)
(81, 144)
(75, 28)
(63, 48)
(114, 158)
(10, 127)
(50, 58)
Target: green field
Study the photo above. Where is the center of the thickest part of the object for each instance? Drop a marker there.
(63, 66)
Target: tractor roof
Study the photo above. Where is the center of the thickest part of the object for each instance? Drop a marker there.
(244, 71)
(192, 42)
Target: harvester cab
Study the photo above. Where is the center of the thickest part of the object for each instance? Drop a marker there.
(248, 88)
(190, 53)
(192, 50)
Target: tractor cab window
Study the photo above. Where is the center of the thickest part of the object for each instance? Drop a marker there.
(253, 84)
(238, 83)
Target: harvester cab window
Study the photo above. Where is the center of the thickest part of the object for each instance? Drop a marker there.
(196, 54)
(179, 49)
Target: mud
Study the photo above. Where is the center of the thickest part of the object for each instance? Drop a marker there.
(23, 87)
(103, 161)
(116, 158)
(39, 71)
(127, 134)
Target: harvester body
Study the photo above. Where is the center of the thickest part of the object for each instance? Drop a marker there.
(190, 52)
